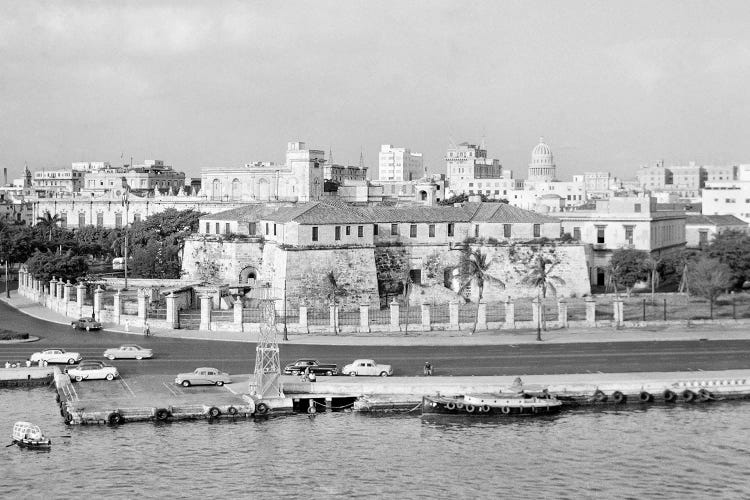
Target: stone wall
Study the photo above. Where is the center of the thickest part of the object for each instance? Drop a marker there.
(213, 259)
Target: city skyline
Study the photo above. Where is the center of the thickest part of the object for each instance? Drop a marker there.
(609, 86)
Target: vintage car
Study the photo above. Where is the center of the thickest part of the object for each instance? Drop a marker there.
(314, 366)
(56, 356)
(367, 367)
(128, 351)
(93, 372)
(87, 324)
(203, 376)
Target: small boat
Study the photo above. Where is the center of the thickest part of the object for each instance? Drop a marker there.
(499, 405)
(28, 435)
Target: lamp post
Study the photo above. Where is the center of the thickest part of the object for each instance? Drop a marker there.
(126, 204)
(286, 337)
(7, 288)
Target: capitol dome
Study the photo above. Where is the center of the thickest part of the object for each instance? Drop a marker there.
(542, 167)
(541, 154)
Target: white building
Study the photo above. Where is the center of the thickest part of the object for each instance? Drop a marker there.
(149, 176)
(542, 167)
(727, 198)
(299, 179)
(399, 164)
(469, 171)
(63, 180)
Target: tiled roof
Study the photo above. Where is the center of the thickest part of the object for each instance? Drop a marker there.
(320, 213)
(504, 213)
(713, 220)
(249, 213)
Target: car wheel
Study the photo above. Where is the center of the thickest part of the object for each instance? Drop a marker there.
(88, 328)
(185, 383)
(329, 373)
(353, 374)
(383, 374)
(111, 357)
(139, 357)
(110, 376)
(219, 383)
(79, 378)
(71, 361)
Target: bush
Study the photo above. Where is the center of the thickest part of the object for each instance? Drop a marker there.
(10, 335)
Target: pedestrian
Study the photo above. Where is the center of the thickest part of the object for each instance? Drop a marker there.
(306, 374)
(146, 330)
(312, 376)
(427, 369)
(28, 363)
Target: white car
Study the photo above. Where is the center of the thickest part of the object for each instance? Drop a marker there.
(56, 356)
(93, 372)
(129, 351)
(367, 367)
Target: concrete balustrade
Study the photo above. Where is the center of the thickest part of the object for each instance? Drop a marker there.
(205, 301)
(333, 316)
(303, 318)
(453, 313)
(395, 315)
(617, 311)
(426, 320)
(80, 297)
(98, 296)
(173, 314)
(364, 317)
(590, 311)
(482, 315)
(116, 307)
(142, 311)
(562, 313)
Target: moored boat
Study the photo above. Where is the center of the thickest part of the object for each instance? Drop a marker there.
(28, 435)
(498, 405)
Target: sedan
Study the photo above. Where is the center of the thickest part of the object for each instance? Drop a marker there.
(93, 372)
(56, 356)
(367, 367)
(87, 324)
(128, 351)
(203, 376)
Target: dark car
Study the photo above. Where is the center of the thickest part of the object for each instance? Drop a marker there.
(87, 324)
(314, 365)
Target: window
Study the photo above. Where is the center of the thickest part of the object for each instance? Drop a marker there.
(360, 231)
(537, 230)
(348, 230)
(394, 229)
(337, 233)
(137, 218)
(267, 233)
(413, 231)
(274, 229)
(218, 230)
(100, 219)
(637, 207)
(226, 228)
(118, 221)
(208, 228)
(629, 235)
(577, 233)
(431, 230)
(251, 228)
(506, 230)
(600, 234)
(451, 229)
(702, 238)
(64, 220)
(476, 231)
(315, 233)
(375, 229)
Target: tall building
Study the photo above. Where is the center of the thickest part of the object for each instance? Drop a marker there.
(149, 176)
(51, 182)
(542, 167)
(469, 171)
(399, 164)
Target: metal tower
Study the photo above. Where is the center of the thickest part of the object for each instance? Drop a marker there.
(266, 383)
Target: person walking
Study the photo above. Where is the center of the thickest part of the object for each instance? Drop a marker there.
(427, 369)
(146, 330)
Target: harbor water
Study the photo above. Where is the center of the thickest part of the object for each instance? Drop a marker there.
(677, 452)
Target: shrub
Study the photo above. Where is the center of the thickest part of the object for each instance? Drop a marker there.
(11, 335)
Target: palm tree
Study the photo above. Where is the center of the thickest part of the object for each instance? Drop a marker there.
(335, 290)
(539, 276)
(475, 267)
(48, 222)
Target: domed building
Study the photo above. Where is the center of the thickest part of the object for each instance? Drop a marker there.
(542, 168)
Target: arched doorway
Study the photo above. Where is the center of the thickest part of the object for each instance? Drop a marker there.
(216, 189)
(423, 195)
(236, 189)
(248, 275)
(264, 189)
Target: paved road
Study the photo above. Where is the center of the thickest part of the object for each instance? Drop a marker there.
(175, 355)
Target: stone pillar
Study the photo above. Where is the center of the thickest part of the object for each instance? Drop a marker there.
(52, 287)
(453, 311)
(332, 312)
(80, 297)
(395, 315)
(238, 311)
(205, 312)
(510, 314)
(173, 315)
(364, 317)
(617, 311)
(67, 292)
(117, 307)
(426, 320)
(303, 317)
(142, 311)
(535, 312)
(482, 316)
(590, 311)
(98, 294)
(562, 313)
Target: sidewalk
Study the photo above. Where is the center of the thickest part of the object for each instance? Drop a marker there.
(725, 330)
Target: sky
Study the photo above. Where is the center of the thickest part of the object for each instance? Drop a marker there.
(610, 85)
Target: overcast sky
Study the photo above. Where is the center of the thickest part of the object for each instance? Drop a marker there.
(610, 85)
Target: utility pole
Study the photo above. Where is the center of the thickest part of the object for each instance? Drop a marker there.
(7, 284)
(286, 337)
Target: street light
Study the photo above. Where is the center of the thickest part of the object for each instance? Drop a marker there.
(126, 204)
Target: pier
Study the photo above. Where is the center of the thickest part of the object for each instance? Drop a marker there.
(22, 376)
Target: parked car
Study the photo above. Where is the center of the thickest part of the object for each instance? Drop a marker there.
(367, 367)
(128, 351)
(87, 324)
(314, 365)
(93, 372)
(56, 356)
(203, 376)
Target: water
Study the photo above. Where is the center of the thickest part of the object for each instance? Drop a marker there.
(696, 451)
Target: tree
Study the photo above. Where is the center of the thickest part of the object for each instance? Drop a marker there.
(540, 277)
(155, 260)
(708, 278)
(48, 222)
(626, 268)
(475, 269)
(44, 265)
(731, 248)
(653, 264)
